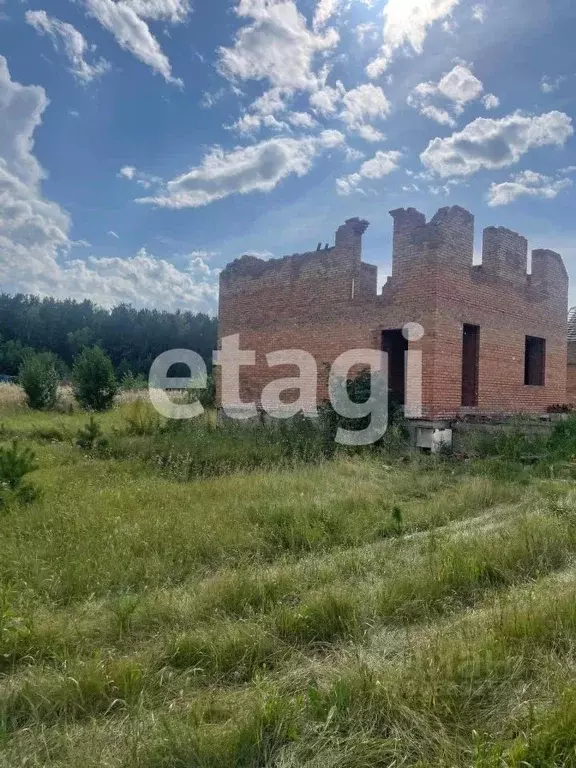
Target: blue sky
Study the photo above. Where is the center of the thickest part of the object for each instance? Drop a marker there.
(146, 143)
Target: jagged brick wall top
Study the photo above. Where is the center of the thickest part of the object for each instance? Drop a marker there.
(445, 245)
(439, 248)
(348, 242)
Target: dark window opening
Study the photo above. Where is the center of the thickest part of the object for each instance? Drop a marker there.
(534, 361)
(394, 343)
(470, 365)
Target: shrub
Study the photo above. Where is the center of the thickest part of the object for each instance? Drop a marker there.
(62, 370)
(359, 389)
(90, 436)
(141, 418)
(560, 408)
(12, 356)
(93, 380)
(130, 381)
(206, 395)
(562, 442)
(15, 464)
(39, 381)
(50, 434)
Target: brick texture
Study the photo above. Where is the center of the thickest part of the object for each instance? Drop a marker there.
(571, 385)
(325, 302)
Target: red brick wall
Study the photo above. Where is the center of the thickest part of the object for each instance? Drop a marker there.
(571, 386)
(325, 303)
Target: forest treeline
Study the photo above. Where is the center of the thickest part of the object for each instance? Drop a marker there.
(131, 337)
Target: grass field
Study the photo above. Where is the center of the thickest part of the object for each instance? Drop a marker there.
(168, 603)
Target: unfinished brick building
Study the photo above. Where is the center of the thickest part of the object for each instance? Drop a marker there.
(495, 336)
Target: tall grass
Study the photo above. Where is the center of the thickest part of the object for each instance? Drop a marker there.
(518, 452)
(217, 597)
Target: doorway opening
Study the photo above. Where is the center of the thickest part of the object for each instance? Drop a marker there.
(534, 361)
(395, 345)
(470, 364)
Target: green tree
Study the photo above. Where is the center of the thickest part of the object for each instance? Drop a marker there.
(123, 370)
(79, 340)
(12, 356)
(39, 380)
(67, 327)
(15, 463)
(62, 370)
(90, 436)
(207, 396)
(93, 379)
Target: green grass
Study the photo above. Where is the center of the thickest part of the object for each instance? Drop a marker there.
(262, 606)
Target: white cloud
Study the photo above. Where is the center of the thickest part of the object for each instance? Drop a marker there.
(276, 46)
(204, 255)
(361, 105)
(364, 103)
(198, 266)
(34, 232)
(444, 189)
(526, 184)
(358, 107)
(113, 234)
(145, 180)
(301, 120)
(208, 99)
(326, 98)
(353, 154)
(406, 25)
(269, 121)
(324, 12)
(22, 109)
(258, 168)
(75, 46)
(479, 13)
(127, 172)
(491, 101)
(348, 184)
(460, 85)
(174, 11)
(248, 124)
(132, 34)
(364, 31)
(457, 87)
(260, 254)
(270, 102)
(494, 144)
(262, 111)
(550, 85)
(382, 164)
(441, 116)
(369, 133)
(421, 99)
(141, 280)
